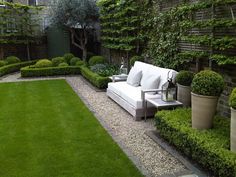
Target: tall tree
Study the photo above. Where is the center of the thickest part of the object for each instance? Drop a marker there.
(76, 14)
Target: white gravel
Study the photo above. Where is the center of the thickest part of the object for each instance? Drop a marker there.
(148, 155)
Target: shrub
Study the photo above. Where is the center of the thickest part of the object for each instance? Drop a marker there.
(11, 60)
(134, 59)
(2, 63)
(58, 60)
(232, 99)
(67, 57)
(51, 71)
(79, 63)
(208, 83)
(185, 78)
(7, 69)
(89, 55)
(210, 148)
(95, 79)
(96, 60)
(43, 63)
(63, 64)
(105, 69)
(74, 60)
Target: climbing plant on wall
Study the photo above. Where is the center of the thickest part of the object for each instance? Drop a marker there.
(120, 23)
(19, 24)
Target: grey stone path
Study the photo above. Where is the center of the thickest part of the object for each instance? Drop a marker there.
(130, 135)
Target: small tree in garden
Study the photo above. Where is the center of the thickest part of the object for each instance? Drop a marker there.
(82, 14)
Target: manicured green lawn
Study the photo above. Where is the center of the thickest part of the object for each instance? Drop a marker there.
(47, 131)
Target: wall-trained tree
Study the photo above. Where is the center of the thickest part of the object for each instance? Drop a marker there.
(76, 14)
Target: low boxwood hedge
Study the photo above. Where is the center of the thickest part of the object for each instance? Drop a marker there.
(93, 78)
(50, 71)
(210, 148)
(7, 69)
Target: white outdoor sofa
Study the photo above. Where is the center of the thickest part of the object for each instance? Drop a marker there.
(132, 98)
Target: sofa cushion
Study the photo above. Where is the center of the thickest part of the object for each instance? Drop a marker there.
(134, 77)
(131, 94)
(152, 82)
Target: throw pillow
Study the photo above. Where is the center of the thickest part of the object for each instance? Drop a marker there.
(134, 77)
(151, 82)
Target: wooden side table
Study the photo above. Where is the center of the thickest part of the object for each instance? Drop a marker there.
(158, 103)
(117, 78)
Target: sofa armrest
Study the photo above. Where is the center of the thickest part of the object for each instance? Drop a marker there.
(143, 92)
(117, 78)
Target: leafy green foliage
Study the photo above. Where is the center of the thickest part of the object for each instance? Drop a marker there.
(43, 63)
(63, 64)
(120, 24)
(58, 60)
(7, 69)
(210, 148)
(12, 60)
(74, 60)
(185, 78)
(96, 60)
(232, 99)
(2, 63)
(208, 83)
(223, 59)
(134, 59)
(95, 79)
(68, 57)
(49, 71)
(79, 63)
(105, 69)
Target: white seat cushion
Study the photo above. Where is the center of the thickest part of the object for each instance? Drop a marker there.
(129, 93)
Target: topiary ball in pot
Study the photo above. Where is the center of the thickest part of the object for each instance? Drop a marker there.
(206, 88)
(12, 59)
(74, 60)
(184, 80)
(67, 57)
(57, 60)
(43, 63)
(96, 60)
(134, 59)
(232, 104)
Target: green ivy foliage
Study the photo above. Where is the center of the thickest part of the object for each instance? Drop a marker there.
(120, 24)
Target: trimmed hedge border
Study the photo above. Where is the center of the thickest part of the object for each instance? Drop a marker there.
(50, 71)
(93, 78)
(210, 148)
(7, 69)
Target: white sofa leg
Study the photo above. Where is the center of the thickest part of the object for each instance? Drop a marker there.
(136, 118)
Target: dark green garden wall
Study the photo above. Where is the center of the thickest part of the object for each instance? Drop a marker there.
(58, 41)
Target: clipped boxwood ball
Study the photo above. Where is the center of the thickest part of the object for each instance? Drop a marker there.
(232, 99)
(43, 63)
(67, 57)
(79, 63)
(63, 64)
(134, 59)
(12, 59)
(57, 60)
(208, 83)
(96, 60)
(2, 63)
(184, 78)
(74, 60)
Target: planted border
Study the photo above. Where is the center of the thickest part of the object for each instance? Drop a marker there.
(7, 69)
(93, 78)
(210, 148)
(50, 71)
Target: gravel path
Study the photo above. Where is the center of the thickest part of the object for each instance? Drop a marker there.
(130, 134)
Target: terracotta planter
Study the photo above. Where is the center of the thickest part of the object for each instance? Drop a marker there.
(233, 130)
(184, 95)
(203, 111)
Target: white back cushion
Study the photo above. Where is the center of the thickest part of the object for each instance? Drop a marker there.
(134, 77)
(151, 82)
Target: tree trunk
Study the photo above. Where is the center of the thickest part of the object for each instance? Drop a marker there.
(28, 50)
(84, 54)
(1, 52)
